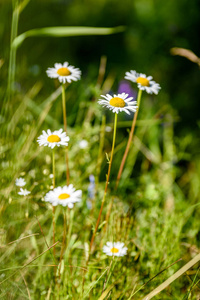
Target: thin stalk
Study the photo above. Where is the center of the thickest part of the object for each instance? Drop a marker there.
(129, 140)
(67, 172)
(111, 270)
(70, 218)
(54, 223)
(63, 247)
(106, 280)
(107, 181)
(13, 50)
(101, 144)
(64, 234)
(65, 129)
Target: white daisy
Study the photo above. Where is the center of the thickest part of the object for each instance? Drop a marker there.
(52, 139)
(115, 249)
(64, 73)
(23, 192)
(65, 196)
(143, 82)
(118, 103)
(20, 182)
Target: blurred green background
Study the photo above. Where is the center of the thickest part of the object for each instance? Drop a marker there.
(152, 28)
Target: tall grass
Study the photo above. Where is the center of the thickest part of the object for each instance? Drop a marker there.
(155, 211)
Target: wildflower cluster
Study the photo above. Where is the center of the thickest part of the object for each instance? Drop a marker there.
(21, 182)
(67, 196)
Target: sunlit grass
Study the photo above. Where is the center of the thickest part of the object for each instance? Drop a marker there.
(154, 212)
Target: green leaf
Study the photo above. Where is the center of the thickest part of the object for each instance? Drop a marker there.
(65, 31)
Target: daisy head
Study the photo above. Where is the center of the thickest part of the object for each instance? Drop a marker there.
(20, 182)
(115, 249)
(118, 103)
(65, 196)
(64, 73)
(144, 83)
(23, 192)
(52, 139)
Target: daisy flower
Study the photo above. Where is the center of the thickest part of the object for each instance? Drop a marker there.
(20, 182)
(143, 82)
(118, 103)
(52, 139)
(65, 196)
(115, 249)
(23, 192)
(64, 73)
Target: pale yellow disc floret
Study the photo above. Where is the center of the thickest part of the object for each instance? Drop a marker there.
(63, 196)
(114, 250)
(63, 71)
(142, 81)
(117, 102)
(53, 138)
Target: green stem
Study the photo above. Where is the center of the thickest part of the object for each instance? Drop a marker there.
(12, 58)
(101, 144)
(65, 129)
(129, 140)
(107, 181)
(53, 168)
(64, 108)
(54, 223)
(111, 269)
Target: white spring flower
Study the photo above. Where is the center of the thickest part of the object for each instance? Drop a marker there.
(115, 249)
(23, 192)
(64, 73)
(143, 81)
(65, 196)
(83, 144)
(118, 103)
(20, 182)
(52, 139)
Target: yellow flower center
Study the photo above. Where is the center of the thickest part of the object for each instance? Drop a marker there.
(63, 196)
(114, 250)
(63, 72)
(117, 102)
(142, 81)
(53, 138)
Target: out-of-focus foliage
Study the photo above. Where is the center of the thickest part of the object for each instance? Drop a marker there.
(153, 27)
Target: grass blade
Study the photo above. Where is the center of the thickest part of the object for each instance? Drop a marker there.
(167, 282)
(65, 31)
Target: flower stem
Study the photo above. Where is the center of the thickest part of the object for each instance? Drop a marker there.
(101, 144)
(111, 269)
(65, 129)
(129, 140)
(54, 224)
(64, 235)
(107, 182)
(53, 167)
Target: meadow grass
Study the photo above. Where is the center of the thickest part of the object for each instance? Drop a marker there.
(155, 210)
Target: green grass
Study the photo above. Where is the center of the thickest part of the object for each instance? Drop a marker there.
(155, 210)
